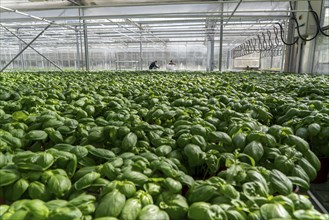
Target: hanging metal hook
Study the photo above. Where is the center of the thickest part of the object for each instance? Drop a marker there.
(260, 45)
(270, 43)
(264, 42)
(255, 45)
(276, 39)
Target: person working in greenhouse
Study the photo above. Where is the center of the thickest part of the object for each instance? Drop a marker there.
(171, 65)
(153, 65)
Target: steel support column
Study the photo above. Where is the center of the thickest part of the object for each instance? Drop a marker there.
(30, 61)
(220, 60)
(282, 58)
(78, 50)
(42, 63)
(56, 57)
(210, 53)
(81, 40)
(9, 57)
(260, 60)
(140, 48)
(186, 55)
(299, 57)
(20, 48)
(284, 48)
(289, 53)
(6, 56)
(228, 59)
(85, 36)
(28, 45)
(316, 43)
(60, 55)
(210, 45)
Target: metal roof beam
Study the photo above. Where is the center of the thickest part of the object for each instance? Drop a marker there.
(187, 19)
(138, 34)
(236, 8)
(106, 25)
(36, 17)
(105, 3)
(142, 29)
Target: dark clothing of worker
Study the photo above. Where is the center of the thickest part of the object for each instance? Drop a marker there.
(153, 65)
(171, 63)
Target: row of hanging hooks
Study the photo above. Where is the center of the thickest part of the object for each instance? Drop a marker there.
(272, 53)
(262, 42)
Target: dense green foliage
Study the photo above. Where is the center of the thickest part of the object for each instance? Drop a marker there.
(146, 145)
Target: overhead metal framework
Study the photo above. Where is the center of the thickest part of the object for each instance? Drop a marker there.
(136, 23)
(163, 21)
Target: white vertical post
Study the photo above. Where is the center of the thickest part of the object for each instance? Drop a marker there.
(62, 61)
(78, 50)
(299, 57)
(260, 59)
(221, 40)
(210, 45)
(85, 35)
(30, 61)
(282, 58)
(42, 62)
(21, 48)
(140, 48)
(289, 56)
(210, 53)
(228, 56)
(186, 55)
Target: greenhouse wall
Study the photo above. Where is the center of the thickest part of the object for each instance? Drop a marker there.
(322, 45)
(321, 56)
(271, 63)
(251, 60)
(186, 56)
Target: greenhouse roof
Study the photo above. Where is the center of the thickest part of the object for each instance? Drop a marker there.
(155, 23)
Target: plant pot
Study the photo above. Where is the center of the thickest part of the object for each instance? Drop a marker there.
(322, 176)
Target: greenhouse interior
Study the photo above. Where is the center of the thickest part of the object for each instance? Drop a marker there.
(164, 110)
